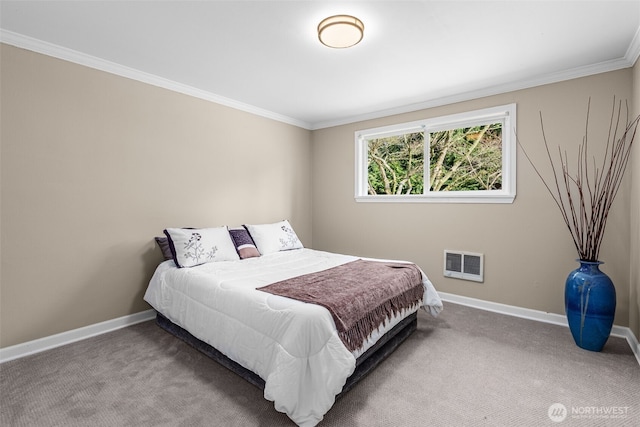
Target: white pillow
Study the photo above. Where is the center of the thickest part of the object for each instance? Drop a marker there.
(274, 237)
(195, 246)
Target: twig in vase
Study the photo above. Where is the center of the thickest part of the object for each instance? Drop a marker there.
(585, 198)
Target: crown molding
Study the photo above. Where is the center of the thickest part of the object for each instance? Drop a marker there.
(50, 49)
(496, 89)
(39, 46)
(634, 49)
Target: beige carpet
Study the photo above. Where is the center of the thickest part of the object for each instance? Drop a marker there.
(466, 368)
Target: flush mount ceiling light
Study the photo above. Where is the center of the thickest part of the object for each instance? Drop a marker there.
(340, 31)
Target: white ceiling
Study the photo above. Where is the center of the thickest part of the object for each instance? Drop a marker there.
(264, 56)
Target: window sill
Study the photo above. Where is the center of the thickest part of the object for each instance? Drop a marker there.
(439, 198)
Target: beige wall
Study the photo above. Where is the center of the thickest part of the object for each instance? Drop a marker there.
(634, 171)
(528, 250)
(95, 165)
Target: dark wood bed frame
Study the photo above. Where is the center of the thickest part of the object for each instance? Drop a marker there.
(364, 364)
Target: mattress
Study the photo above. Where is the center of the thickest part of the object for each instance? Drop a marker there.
(293, 346)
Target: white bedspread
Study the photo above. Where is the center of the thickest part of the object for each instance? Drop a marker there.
(293, 346)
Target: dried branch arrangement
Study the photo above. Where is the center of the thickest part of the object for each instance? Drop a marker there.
(585, 196)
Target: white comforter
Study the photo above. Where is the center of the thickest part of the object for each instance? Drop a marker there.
(293, 346)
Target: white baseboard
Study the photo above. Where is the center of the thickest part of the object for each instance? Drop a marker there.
(63, 338)
(540, 316)
(46, 343)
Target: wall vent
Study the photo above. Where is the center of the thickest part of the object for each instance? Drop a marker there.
(464, 265)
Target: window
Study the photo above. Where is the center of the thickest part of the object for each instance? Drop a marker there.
(462, 158)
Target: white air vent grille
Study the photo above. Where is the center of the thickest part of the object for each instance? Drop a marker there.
(464, 265)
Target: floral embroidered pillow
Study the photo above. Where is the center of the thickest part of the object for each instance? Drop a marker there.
(270, 238)
(195, 246)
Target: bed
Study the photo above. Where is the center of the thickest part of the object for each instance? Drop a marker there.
(230, 309)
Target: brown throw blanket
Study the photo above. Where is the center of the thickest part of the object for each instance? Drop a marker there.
(360, 294)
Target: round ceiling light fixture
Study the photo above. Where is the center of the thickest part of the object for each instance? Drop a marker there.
(340, 31)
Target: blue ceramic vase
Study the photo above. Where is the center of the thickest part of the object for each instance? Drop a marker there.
(590, 305)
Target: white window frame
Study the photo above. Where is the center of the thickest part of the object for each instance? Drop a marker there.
(506, 114)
